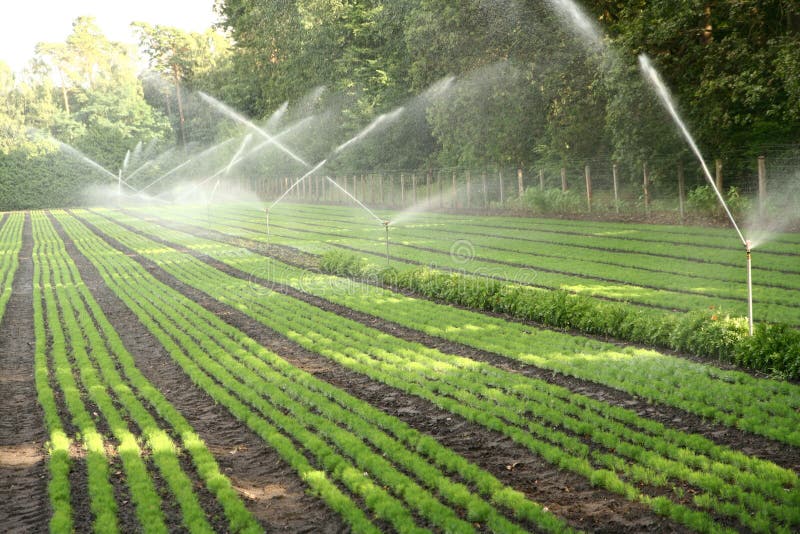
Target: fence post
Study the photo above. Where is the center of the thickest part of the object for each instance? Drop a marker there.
(441, 192)
(681, 191)
(541, 179)
(414, 186)
(762, 185)
(616, 186)
(564, 179)
(520, 184)
(428, 186)
(646, 187)
(454, 202)
(588, 173)
(719, 175)
(469, 188)
(485, 190)
(500, 179)
(402, 190)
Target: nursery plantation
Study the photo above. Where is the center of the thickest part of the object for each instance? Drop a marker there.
(400, 266)
(199, 368)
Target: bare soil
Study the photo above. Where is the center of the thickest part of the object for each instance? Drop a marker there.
(23, 473)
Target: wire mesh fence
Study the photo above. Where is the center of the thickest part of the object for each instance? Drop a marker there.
(767, 183)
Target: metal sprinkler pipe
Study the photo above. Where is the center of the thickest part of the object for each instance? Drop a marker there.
(386, 226)
(748, 248)
(267, 210)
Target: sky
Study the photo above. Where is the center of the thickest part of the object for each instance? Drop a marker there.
(26, 22)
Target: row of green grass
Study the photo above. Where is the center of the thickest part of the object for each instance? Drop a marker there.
(610, 446)
(583, 256)
(369, 466)
(10, 246)
(654, 289)
(704, 236)
(86, 357)
(763, 406)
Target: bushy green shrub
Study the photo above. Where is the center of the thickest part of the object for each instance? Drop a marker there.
(552, 201)
(774, 348)
(703, 201)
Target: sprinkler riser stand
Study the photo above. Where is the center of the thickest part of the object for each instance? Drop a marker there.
(749, 286)
(386, 226)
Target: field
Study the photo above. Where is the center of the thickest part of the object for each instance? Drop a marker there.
(179, 369)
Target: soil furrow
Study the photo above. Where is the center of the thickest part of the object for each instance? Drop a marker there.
(564, 493)
(23, 474)
(675, 418)
(270, 488)
(601, 252)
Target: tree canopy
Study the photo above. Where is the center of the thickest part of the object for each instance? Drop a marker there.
(523, 85)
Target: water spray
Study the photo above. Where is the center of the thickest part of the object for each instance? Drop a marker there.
(666, 99)
(243, 120)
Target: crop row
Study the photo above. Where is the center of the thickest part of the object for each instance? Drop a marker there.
(611, 447)
(639, 271)
(85, 359)
(723, 238)
(10, 245)
(653, 293)
(395, 473)
(767, 407)
(686, 260)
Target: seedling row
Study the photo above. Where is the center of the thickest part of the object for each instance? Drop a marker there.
(612, 447)
(684, 284)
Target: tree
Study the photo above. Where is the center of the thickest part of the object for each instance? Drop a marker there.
(181, 57)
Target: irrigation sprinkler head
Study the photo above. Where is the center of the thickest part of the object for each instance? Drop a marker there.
(386, 223)
(748, 246)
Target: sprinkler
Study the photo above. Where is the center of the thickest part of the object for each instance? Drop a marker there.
(267, 210)
(655, 79)
(386, 226)
(748, 246)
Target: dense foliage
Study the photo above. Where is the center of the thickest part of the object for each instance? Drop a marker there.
(774, 348)
(525, 86)
(530, 86)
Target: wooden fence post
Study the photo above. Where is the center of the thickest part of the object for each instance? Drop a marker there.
(500, 180)
(469, 188)
(564, 179)
(588, 174)
(541, 179)
(441, 188)
(616, 186)
(762, 185)
(414, 186)
(520, 184)
(402, 190)
(485, 190)
(428, 186)
(718, 177)
(681, 191)
(454, 201)
(646, 186)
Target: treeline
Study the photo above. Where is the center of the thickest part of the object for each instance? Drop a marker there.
(481, 83)
(531, 88)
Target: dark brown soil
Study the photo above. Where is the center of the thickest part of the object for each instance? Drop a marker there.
(23, 474)
(746, 442)
(566, 494)
(271, 489)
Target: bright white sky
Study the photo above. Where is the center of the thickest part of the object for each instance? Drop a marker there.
(23, 23)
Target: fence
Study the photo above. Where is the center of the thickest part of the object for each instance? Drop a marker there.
(598, 186)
